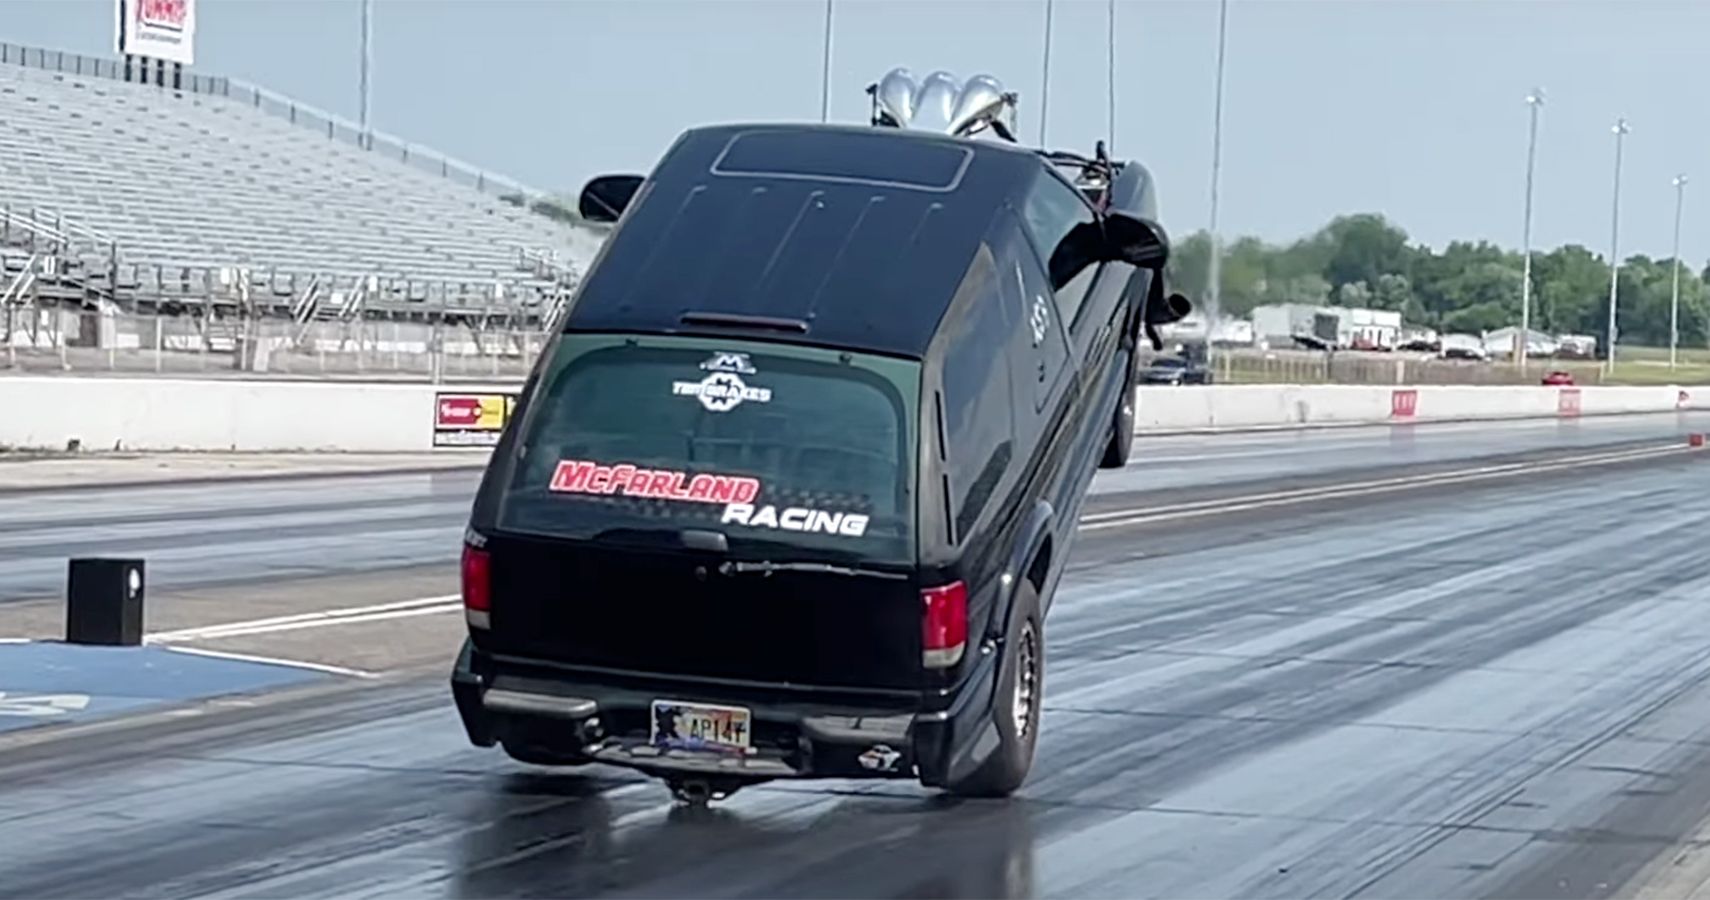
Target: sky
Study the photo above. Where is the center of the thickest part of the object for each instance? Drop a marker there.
(1410, 108)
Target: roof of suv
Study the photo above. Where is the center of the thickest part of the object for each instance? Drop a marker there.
(853, 237)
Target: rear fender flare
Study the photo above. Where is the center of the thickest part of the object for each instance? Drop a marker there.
(1030, 538)
(1035, 530)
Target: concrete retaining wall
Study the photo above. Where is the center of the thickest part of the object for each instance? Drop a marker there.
(281, 416)
(219, 414)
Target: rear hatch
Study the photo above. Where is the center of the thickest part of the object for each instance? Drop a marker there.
(713, 508)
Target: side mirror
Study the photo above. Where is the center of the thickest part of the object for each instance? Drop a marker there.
(606, 197)
(1136, 241)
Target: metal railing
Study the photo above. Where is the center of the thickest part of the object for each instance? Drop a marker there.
(305, 115)
(20, 283)
(1252, 366)
(56, 240)
(439, 348)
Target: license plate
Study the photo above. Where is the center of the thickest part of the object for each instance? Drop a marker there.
(700, 726)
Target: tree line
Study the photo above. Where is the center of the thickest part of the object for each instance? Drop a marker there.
(1364, 260)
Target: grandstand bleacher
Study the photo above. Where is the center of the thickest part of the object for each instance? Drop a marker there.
(147, 198)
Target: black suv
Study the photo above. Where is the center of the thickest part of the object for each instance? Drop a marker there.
(790, 489)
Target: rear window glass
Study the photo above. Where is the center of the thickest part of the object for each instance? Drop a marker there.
(877, 158)
(637, 438)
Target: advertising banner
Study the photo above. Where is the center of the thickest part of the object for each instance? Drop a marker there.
(157, 29)
(470, 420)
(1403, 404)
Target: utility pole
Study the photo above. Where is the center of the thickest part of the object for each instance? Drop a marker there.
(367, 64)
(1214, 265)
(1621, 130)
(1674, 303)
(1535, 100)
(1110, 75)
(1045, 80)
(825, 72)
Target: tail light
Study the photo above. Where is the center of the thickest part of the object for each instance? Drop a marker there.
(477, 587)
(944, 625)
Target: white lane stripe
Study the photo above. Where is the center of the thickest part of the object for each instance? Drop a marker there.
(1402, 481)
(275, 661)
(1241, 504)
(418, 606)
(322, 623)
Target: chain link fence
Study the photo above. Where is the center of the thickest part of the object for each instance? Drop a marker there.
(1248, 366)
(47, 341)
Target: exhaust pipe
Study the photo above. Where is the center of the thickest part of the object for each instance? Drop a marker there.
(1163, 311)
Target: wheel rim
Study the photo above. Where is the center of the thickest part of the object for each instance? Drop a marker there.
(1026, 682)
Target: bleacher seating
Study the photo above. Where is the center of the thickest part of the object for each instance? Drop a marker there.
(187, 180)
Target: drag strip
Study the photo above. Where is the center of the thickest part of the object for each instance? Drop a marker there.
(201, 535)
(1172, 462)
(235, 533)
(1488, 688)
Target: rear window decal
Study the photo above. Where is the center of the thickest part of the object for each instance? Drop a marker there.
(721, 391)
(574, 476)
(795, 518)
(730, 362)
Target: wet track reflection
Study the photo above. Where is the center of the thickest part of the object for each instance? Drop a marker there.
(1491, 690)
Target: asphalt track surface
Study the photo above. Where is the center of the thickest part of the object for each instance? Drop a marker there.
(264, 531)
(1491, 689)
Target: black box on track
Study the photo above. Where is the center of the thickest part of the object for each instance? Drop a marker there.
(104, 602)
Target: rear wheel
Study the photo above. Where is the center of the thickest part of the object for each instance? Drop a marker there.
(1122, 430)
(1016, 708)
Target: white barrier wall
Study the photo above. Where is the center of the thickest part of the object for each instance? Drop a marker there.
(1191, 408)
(282, 416)
(220, 414)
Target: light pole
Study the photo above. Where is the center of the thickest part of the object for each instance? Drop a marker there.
(1621, 129)
(1214, 265)
(1535, 100)
(1110, 74)
(825, 71)
(1045, 80)
(367, 63)
(1674, 303)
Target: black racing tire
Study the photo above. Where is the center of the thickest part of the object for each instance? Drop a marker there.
(1121, 441)
(1016, 706)
(536, 755)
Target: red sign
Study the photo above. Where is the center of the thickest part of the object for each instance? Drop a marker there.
(163, 13)
(457, 411)
(470, 420)
(579, 477)
(1567, 402)
(1403, 404)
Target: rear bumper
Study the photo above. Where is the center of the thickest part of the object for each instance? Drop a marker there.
(521, 703)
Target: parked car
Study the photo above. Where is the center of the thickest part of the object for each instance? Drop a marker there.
(1175, 370)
